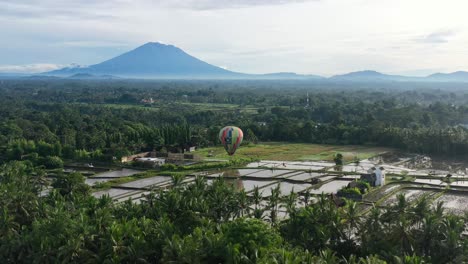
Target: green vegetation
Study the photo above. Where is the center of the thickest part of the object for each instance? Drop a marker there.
(103, 121)
(44, 123)
(201, 223)
(350, 191)
(294, 151)
(355, 189)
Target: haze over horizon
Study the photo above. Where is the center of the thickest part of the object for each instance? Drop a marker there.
(325, 37)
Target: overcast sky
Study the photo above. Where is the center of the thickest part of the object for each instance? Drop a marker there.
(411, 37)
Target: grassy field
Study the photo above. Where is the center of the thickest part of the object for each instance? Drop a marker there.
(222, 107)
(290, 151)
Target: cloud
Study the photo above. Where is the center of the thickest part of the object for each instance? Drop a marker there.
(437, 37)
(30, 68)
(26, 9)
(80, 8)
(91, 44)
(224, 4)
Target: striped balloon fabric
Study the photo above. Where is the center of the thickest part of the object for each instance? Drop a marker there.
(231, 138)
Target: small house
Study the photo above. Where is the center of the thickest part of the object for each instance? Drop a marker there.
(150, 162)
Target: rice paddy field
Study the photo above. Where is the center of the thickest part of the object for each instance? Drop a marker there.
(299, 152)
(300, 168)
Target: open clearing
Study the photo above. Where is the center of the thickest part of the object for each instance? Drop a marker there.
(288, 152)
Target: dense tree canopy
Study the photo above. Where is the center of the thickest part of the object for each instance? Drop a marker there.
(103, 119)
(212, 223)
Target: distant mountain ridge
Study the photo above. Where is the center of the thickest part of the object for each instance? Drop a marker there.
(290, 75)
(161, 61)
(369, 75)
(374, 76)
(454, 76)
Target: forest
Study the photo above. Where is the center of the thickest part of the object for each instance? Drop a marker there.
(46, 121)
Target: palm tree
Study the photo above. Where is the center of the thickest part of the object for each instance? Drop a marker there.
(273, 203)
(243, 202)
(290, 203)
(420, 210)
(306, 197)
(352, 218)
(177, 180)
(257, 199)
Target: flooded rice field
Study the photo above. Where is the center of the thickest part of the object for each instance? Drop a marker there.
(431, 182)
(291, 165)
(148, 182)
(454, 203)
(459, 184)
(330, 187)
(327, 177)
(249, 185)
(304, 176)
(242, 172)
(411, 195)
(269, 173)
(299, 176)
(285, 188)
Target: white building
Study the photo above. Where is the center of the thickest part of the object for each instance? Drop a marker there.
(380, 176)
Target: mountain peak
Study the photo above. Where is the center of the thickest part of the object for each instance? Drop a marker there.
(360, 74)
(153, 60)
(366, 73)
(157, 44)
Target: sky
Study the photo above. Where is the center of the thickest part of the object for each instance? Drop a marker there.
(325, 37)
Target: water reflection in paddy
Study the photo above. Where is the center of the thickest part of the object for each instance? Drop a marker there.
(269, 173)
(326, 178)
(147, 182)
(305, 176)
(430, 181)
(314, 163)
(245, 172)
(454, 203)
(350, 168)
(460, 183)
(285, 188)
(112, 192)
(249, 185)
(330, 187)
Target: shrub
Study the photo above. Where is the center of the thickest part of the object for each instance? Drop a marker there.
(349, 191)
(52, 162)
(363, 186)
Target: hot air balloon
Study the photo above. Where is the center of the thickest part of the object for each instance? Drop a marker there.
(231, 138)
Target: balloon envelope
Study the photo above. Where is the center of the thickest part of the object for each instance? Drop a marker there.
(231, 138)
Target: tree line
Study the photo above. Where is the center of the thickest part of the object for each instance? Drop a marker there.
(42, 120)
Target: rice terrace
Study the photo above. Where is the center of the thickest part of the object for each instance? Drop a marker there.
(236, 132)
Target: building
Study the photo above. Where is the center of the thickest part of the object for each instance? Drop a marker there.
(150, 162)
(139, 155)
(380, 176)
